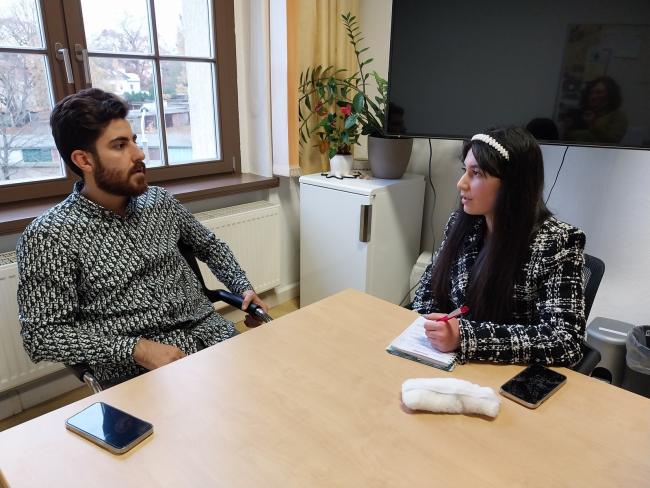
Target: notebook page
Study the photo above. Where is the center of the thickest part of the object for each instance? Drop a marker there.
(413, 341)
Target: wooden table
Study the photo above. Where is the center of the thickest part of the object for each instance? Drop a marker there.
(313, 400)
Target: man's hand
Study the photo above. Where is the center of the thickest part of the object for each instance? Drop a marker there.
(152, 355)
(444, 336)
(250, 296)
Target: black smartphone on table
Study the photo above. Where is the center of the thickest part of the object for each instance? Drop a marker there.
(109, 427)
(533, 385)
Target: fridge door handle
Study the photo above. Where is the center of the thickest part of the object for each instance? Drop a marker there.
(365, 219)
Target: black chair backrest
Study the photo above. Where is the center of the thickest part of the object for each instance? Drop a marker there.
(187, 253)
(592, 274)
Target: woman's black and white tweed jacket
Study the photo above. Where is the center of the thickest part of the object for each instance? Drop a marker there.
(548, 321)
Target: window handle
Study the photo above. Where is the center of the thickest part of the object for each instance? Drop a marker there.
(63, 54)
(82, 55)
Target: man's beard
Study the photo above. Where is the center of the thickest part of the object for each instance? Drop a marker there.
(111, 181)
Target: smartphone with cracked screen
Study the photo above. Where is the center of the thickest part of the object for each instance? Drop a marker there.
(533, 386)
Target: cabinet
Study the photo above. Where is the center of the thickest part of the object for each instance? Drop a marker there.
(357, 233)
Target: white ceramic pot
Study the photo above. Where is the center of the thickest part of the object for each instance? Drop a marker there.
(341, 165)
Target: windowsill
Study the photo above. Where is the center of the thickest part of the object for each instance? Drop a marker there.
(14, 217)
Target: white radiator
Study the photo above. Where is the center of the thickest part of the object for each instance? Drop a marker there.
(15, 366)
(252, 231)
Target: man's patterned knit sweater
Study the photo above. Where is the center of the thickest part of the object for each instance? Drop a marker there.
(92, 282)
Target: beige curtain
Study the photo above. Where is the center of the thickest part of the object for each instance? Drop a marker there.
(315, 36)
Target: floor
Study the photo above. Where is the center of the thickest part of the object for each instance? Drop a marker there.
(82, 392)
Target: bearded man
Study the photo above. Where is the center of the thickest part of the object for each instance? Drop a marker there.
(102, 280)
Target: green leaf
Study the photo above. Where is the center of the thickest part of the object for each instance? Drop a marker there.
(350, 122)
(331, 152)
(345, 137)
(374, 106)
(358, 102)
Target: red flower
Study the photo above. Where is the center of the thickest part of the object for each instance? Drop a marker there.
(346, 110)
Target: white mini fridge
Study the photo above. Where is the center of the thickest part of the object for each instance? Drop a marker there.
(359, 233)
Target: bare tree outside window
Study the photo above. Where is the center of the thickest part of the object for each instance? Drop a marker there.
(26, 146)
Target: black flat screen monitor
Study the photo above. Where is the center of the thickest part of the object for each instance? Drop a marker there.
(574, 72)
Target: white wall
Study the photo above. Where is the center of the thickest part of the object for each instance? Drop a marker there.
(602, 191)
(253, 85)
(254, 98)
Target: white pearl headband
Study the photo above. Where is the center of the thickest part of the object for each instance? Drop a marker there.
(491, 141)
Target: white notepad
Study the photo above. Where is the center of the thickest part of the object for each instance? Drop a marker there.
(413, 344)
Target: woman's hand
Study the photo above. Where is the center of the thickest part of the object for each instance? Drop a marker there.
(444, 336)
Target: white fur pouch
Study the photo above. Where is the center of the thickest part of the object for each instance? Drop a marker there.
(450, 395)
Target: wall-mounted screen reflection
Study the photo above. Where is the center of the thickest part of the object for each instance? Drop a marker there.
(573, 72)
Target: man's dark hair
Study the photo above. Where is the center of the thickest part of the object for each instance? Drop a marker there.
(79, 119)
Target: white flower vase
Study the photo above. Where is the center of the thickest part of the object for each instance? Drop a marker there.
(341, 165)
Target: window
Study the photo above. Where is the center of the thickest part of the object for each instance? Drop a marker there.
(26, 97)
(173, 61)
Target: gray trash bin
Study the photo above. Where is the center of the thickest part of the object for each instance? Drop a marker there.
(637, 371)
(608, 337)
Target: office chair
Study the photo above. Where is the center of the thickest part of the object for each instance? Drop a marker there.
(592, 274)
(83, 371)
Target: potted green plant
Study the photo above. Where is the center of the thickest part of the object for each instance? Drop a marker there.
(339, 109)
(329, 108)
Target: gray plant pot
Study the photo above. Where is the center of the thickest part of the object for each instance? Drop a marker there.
(389, 156)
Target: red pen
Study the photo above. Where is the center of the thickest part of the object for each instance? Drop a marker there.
(462, 310)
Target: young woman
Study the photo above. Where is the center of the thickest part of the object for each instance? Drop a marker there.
(517, 268)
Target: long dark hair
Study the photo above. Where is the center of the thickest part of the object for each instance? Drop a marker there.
(519, 210)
